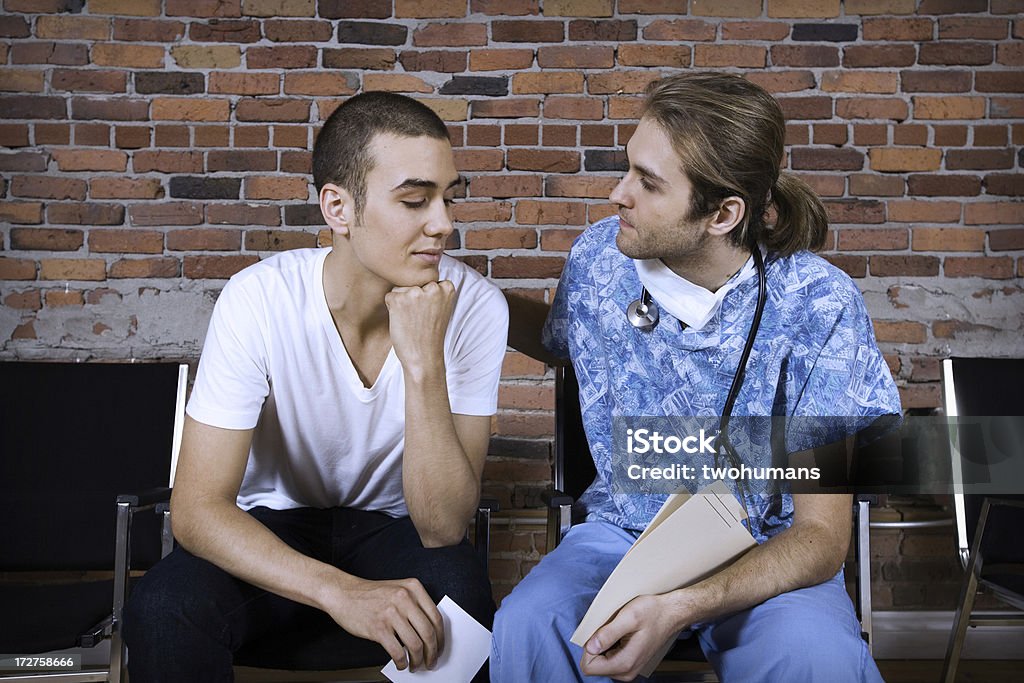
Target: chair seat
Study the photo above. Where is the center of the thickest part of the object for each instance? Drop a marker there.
(323, 648)
(40, 617)
(687, 650)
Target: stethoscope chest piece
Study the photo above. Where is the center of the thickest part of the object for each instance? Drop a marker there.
(643, 313)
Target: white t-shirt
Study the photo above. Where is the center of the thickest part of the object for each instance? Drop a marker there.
(274, 361)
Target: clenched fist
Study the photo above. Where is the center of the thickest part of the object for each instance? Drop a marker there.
(418, 322)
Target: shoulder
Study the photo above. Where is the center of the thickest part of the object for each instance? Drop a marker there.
(283, 269)
(597, 237)
(471, 285)
(808, 277)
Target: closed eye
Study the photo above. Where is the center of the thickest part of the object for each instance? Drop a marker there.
(415, 205)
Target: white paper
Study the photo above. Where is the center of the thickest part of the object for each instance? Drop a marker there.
(467, 645)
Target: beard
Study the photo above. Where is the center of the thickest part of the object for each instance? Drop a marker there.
(684, 241)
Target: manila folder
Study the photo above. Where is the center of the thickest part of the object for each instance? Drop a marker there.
(691, 538)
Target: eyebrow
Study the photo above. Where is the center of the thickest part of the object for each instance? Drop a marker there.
(423, 183)
(643, 170)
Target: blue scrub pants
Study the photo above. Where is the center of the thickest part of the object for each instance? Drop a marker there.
(810, 634)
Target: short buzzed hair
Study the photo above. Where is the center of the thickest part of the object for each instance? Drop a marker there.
(341, 154)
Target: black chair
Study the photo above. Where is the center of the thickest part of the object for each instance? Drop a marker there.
(75, 435)
(573, 471)
(990, 529)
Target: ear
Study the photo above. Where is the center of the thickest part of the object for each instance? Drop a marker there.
(338, 208)
(729, 214)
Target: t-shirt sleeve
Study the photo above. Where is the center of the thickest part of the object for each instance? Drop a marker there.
(232, 381)
(848, 384)
(477, 350)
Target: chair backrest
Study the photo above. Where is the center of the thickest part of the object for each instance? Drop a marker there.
(573, 467)
(983, 387)
(74, 436)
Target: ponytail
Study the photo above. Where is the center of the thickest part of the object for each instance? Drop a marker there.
(801, 222)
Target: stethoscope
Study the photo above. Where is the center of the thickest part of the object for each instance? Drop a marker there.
(643, 315)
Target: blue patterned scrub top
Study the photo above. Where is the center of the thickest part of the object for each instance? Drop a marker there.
(814, 355)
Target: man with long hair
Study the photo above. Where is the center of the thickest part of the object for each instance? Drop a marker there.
(692, 231)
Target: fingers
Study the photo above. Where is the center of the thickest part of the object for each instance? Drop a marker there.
(418, 625)
(433, 615)
(609, 634)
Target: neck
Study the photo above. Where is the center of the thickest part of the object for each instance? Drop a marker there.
(711, 266)
(353, 295)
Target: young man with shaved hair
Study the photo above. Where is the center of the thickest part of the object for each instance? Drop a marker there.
(691, 236)
(337, 430)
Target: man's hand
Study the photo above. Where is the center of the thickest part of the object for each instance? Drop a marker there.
(418, 322)
(622, 647)
(397, 614)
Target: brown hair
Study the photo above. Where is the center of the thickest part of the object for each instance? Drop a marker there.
(730, 136)
(341, 154)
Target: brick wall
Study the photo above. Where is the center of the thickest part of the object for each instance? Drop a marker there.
(151, 148)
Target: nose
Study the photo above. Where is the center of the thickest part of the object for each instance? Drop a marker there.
(619, 195)
(440, 221)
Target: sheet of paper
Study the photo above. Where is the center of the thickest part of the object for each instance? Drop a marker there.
(467, 645)
(689, 539)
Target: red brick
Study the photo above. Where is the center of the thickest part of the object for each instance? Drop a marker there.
(14, 135)
(948, 239)
(132, 137)
(429, 9)
(191, 109)
(529, 212)
(70, 27)
(679, 30)
(25, 213)
(900, 331)
(281, 57)
(1011, 239)
(212, 136)
(396, 83)
(43, 52)
(286, 8)
(870, 7)
(46, 239)
(1007, 108)
(24, 162)
(125, 188)
(527, 266)
(879, 55)
(830, 134)
(92, 135)
(870, 185)
(726, 8)
(958, 28)
(501, 238)
(126, 241)
(506, 108)
(21, 80)
(89, 213)
(922, 266)
(332, 84)
(244, 83)
(204, 239)
(750, 56)
(782, 81)
(597, 187)
(243, 214)
(56, 298)
(846, 159)
(145, 268)
(559, 136)
(207, 56)
(167, 162)
(999, 81)
(805, 55)
(576, 57)
(445, 61)
(620, 82)
(993, 213)
(578, 8)
(216, 267)
(1011, 184)
(90, 160)
(128, 55)
(917, 211)
(278, 240)
(855, 210)
(991, 267)
(28, 300)
(973, 54)
(944, 185)
(950, 136)
(17, 269)
(873, 239)
(479, 159)
(871, 108)
(45, 187)
(166, 213)
(148, 30)
(579, 108)
(854, 266)
(501, 187)
(527, 31)
(204, 8)
(450, 35)
(654, 55)
(72, 269)
(274, 187)
(755, 30)
(990, 136)
(901, 159)
(1010, 54)
(166, 135)
(543, 160)
(284, 110)
(858, 82)
(550, 82)
(500, 60)
(888, 29)
(297, 30)
(558, 239)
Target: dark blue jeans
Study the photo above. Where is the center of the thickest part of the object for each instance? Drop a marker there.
(188, 620)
